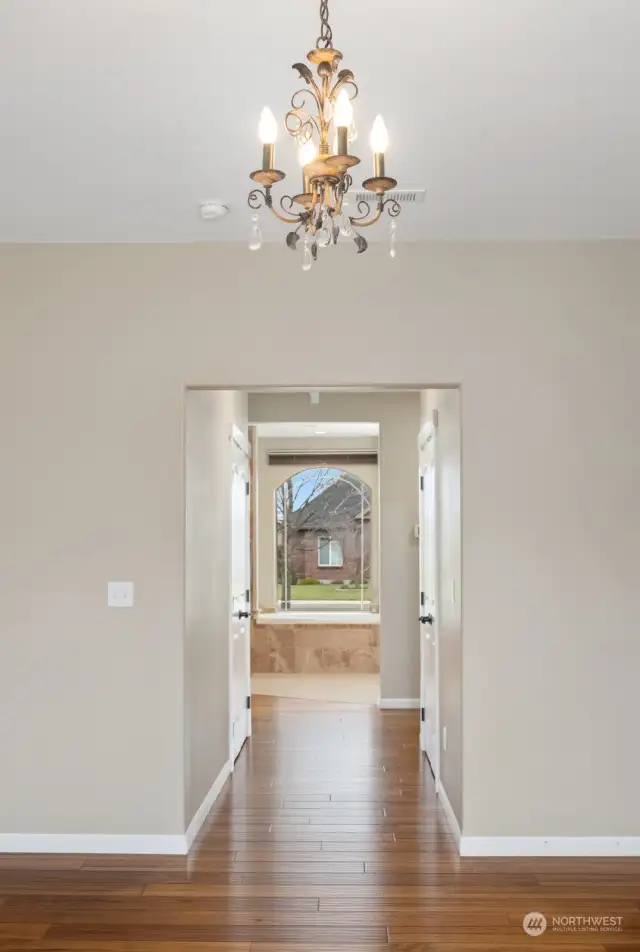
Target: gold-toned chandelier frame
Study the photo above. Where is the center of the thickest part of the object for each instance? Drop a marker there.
(327, 177)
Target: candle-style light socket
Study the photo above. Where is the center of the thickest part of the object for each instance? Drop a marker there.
(268, 150)
(378, 164)
(343, 140)
(306, 184)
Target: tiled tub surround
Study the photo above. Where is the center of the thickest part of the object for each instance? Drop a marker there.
(306, 648)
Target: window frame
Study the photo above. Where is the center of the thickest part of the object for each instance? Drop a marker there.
(323, 540)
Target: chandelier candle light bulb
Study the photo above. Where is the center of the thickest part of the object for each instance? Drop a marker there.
(306, 154)
(379, 142)
(343, 117)
(321, 114)
(268, 132)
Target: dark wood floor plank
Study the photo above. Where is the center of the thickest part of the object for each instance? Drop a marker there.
(89, 890)
(223, 933)
(22, 930)
(315, 947)
(443, 944)
(11, 861)
(115, 945)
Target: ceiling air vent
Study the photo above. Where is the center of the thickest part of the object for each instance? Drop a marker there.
(405, 196)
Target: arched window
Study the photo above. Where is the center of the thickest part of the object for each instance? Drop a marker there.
(323, 541)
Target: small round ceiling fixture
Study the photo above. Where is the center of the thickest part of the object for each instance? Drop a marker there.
(209, 211)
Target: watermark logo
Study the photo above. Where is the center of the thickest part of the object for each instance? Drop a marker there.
(587, 923)
(534, 923)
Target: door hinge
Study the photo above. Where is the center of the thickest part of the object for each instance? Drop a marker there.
(248, 702)
(435, 418)
(247, 595)
(422, 714)
(422, 484)
(422, 598)
(247, 488)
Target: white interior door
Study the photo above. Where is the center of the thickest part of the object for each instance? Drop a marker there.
(429, 642)
(240, 638)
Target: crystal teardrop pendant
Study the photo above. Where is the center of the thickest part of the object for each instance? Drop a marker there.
(324, 237)
(392, 239)
(255, 238)
(306, 256)
(345, 222)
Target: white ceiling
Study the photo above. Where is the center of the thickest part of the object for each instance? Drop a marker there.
(275, 430)
(119, 117)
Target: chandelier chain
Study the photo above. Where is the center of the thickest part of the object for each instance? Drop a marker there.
(325, 40)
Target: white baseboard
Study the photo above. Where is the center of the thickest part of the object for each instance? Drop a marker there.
(162, 845)
(550, 846)
(398, 703)
(448, 809)
(204, 808)
(91, 843)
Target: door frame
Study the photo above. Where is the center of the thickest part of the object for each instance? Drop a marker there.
(429, 433)
(238, 440)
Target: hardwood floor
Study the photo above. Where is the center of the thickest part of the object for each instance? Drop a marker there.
(328, 837)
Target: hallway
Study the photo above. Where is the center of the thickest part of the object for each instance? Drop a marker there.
(328, 836)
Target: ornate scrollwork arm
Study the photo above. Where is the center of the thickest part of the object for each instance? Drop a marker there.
(362, 221)
(289, 203)
(364, 208)
(306, 74)
(394, 208)
(284, 218)
(298, 121)
(345, 78)
(301, 103)
(391, 206)
(257, 198)
(370, 221)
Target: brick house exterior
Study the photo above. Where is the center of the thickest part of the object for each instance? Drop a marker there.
(342, 514)
(305, 553)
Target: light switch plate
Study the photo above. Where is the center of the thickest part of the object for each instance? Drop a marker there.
(120, 594)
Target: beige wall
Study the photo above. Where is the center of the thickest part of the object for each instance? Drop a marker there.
(97, 344)
(447, 404)
(399, 417)
(209, 417)
(268, 478)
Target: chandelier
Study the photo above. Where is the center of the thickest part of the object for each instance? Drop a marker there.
(321, 122)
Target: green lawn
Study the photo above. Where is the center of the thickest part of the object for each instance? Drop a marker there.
(322, 593)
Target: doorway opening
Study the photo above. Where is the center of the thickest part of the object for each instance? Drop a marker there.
(323, 556)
